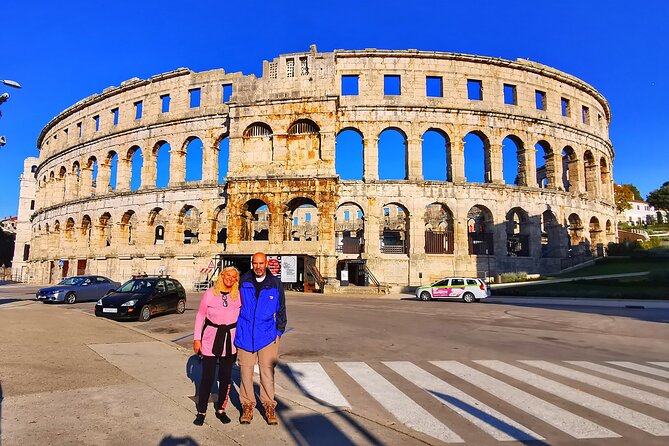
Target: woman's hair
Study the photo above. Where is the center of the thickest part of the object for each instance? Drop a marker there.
(218, 285)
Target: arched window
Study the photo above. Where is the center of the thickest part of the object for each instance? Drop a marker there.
(439, 236)
(395, 232)
(392, 155)
(517, 233)
(255, 221)
(301, 220)
(303, 127)
(480, 231)
(512, 161)
(569, 169)
(349, 154)
(136, 163)
(258, 130)
(477, 158)
(436, 151)
(194, 157)
(349, 229)
(545, 165)
(223, 158)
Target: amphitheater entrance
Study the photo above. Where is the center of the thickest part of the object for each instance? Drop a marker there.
(352, 272)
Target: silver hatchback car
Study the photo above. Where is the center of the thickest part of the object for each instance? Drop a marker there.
(468, 289)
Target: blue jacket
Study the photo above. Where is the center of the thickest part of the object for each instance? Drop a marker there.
(263, 315)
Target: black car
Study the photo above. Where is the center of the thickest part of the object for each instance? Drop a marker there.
(142, 297)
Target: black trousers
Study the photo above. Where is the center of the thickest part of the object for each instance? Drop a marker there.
(224, 381)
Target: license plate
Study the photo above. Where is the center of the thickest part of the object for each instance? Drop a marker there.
(110, 310)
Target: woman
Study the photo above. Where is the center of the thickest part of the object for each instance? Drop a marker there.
(214, 334)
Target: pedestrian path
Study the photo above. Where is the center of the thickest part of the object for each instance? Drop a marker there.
(507, 401)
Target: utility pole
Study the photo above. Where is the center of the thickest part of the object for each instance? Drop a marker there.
(3, 98)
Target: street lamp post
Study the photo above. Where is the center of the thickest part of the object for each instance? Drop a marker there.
(3, 98)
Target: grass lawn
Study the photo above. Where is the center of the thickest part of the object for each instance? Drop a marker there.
(604, 288)
(616, 266)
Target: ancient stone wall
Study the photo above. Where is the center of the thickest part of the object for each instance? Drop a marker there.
(160, 175)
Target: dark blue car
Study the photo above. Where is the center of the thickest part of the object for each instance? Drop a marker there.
(77, 289)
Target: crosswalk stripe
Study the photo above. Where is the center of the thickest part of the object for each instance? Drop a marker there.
(499, 426)
(661, 364)
(317, 384)
(594, 403)
(561, 419)
(397, 403)
(604, 384)
(641, 368)
(649, 382)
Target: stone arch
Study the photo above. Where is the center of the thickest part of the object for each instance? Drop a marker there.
(514, 169)
(219, 226)
(551, 235)
(349, 228)
(439, 229)
(255, 221)
(105, 223)
(480, 230)
(258, 138)
(476, 155)
(436, 155)
(597, 239)
(395, 230)
(223, 145)
(609, 228)
(349, 154)
(111, 165)
(576, 239)
(128, 226)
(518, 231)
(86, 228)
(161, 154)
(136, 160)
(545, 165)
(303, 140)
(591, 177)
(157, 222)
(301, 220)
(194, 153)
(605, 176)
(69, 228)
(393, 146)
(188, 222)
(570, 169)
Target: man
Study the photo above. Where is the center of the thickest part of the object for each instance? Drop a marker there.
(261, 324)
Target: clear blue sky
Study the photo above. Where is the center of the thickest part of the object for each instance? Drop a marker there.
(62, 52)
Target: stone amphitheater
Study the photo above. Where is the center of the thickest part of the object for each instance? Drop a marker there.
(165, 175)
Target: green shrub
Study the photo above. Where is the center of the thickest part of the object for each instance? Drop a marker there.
(519, 276)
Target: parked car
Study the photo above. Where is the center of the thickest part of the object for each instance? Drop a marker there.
(142, 297)
(77, 289)
(468, 289)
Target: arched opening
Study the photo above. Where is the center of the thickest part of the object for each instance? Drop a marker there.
(112, 164)
(576, 239)
(596, 237)
(223, 158)
(157, 222)
(255, 221)
(136, 164)
(436, 155)
(392, 155)
(517, 233)
(69, 228)
(590, 172)
(569, 169)
(609, 227)
(544, 164)
(550, 235)
(189, 221)
(128, 227)
(194, 149)
(480, 231)
(477, 158)
(161, 155)
(106, 229)
(605, 176)
(219, 227)
(303, 141)
(86, 229)
(92, 165)
(513, 161)
(439, 236)
(349, 229)
(301, 220)
(258, 141)
(349, 154)
(394, 235)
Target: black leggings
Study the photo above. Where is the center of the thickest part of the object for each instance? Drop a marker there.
(224, 381)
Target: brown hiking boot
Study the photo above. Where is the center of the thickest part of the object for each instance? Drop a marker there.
(270, 414)
(247, 413)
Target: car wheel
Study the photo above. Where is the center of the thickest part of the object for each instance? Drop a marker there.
(145, 314)
(70, 298)
(181, 306)
(425, 296)
(468, 297)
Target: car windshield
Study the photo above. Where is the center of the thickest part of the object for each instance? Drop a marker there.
(137, 286)
(71, 281)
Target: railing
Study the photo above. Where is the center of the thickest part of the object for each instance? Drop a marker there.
(369, 277)
(351, 245)
(439, 242)
(313, 271)
(481, 243)
(518, 245)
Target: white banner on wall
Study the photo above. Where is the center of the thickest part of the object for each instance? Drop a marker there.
(283, 267)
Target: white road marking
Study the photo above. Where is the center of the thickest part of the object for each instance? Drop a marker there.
(596, 404)
(649, 382)
(661, 364)
(604, 384)
(397, 403)
(497, 425)
(641, 368)
(317, 384)
(563, 420)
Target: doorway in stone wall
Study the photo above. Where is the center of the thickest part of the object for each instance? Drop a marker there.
(81, 267)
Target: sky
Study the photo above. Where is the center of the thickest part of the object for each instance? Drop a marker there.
(62, 52)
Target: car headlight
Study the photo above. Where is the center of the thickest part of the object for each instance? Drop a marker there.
(99, 302)
(129, 303)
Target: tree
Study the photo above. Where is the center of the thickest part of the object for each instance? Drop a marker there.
(635, 192)
(622, 196)
(659, 198)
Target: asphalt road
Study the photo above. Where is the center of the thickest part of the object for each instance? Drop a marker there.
(353, 370)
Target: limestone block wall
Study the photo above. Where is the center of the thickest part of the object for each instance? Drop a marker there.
(160, 175)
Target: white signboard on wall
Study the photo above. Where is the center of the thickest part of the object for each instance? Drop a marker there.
(283, 267)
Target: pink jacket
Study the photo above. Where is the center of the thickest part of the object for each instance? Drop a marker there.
(211, 307)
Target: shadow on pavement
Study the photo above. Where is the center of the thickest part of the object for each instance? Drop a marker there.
(177, 441)
(316, 428)
(1, 398)
(9, 301)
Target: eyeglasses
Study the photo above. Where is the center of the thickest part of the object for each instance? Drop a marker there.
(224, 296)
